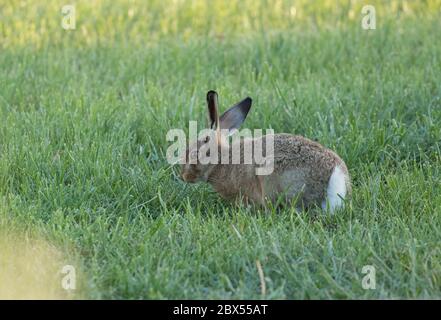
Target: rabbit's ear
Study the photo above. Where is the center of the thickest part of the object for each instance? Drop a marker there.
(212, 109)
(233, 118)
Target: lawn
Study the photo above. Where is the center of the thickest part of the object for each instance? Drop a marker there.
(85, 114)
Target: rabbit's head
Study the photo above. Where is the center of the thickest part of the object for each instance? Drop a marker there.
(199, 162)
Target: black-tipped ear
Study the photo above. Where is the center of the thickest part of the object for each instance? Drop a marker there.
(212, 109)
(233, 118)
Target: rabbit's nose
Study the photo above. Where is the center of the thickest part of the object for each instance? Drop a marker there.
(188, 177)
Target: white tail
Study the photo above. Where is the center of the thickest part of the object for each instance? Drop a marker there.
(336, 190)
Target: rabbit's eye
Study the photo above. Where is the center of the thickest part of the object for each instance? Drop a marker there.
(194, 154)
(207, 138)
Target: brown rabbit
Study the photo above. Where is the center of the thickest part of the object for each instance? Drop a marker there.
(303, 170)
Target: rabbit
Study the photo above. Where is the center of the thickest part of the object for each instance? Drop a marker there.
(303, 170)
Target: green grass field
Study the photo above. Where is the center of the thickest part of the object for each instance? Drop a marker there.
(85, 112)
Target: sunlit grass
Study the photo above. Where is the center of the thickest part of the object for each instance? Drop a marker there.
(38, 23)
(31, 267)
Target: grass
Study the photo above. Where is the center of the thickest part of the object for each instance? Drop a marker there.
(82, 143)
(30, 266)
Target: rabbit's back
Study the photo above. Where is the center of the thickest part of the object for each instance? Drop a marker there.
(303, 169)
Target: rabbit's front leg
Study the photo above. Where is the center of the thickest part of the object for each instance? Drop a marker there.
(256, 192)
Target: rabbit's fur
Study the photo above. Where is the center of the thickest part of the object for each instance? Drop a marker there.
(304, 170)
